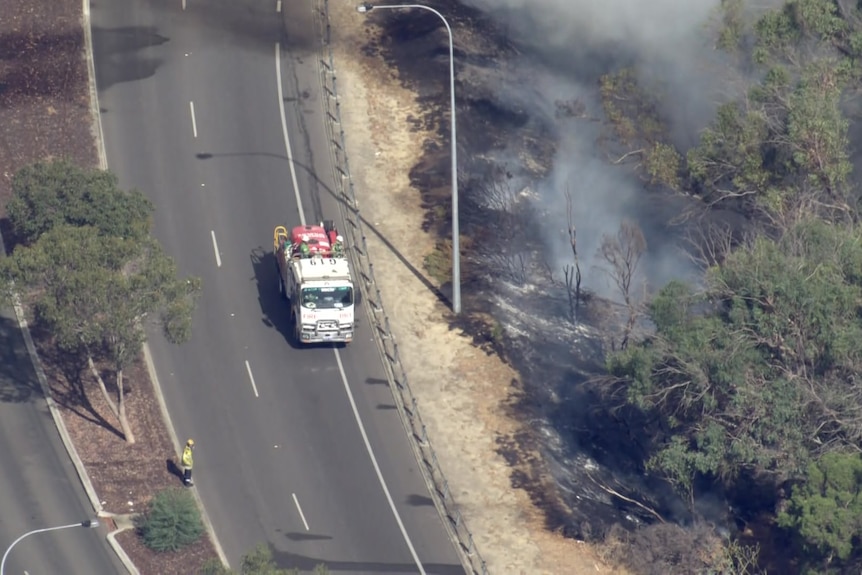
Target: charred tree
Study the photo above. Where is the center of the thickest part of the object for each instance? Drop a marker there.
(572, 272)
(623, 253)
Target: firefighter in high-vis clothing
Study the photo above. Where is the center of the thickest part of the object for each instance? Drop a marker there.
(338, 247)
(188, 462)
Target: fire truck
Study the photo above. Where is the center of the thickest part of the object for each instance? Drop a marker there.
(314, 276)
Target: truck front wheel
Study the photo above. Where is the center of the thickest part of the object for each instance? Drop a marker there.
(294, 322)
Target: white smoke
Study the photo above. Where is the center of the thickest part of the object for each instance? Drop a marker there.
(568, 45)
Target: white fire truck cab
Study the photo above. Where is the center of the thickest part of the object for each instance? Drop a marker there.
(314, 276)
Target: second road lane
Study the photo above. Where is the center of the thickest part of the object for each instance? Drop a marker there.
(299, 448)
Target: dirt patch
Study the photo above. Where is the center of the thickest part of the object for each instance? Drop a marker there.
(44, 99)
(463, 389)
(45, 113)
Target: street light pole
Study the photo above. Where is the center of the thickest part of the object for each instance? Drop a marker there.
(89, 523)
(456, 234)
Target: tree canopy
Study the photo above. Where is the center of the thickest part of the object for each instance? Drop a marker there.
(756, 372)
(49, 194)
(826, 509)
(258, 561)
(89, 270)
(96, 293)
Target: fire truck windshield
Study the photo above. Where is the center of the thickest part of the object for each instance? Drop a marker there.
(327, 297)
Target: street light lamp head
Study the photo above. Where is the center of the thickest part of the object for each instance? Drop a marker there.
(89, 524)
(456, 237)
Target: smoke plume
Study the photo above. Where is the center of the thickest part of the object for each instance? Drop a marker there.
(567, 45)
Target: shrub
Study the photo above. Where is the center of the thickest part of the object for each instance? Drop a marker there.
(171, 522)
(214, 567)
(258, 561)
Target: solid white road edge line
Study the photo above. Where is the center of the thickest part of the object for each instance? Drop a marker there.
(301, 514)
(251, 377)
(194, 123)
(215, 247)
(376, 465)
(284, 133)
(337, 355)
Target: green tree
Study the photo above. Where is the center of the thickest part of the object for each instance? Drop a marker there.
(96, 293)
(760, 370)
(784, 147)
(48, 194)
(172, 521)
(632, 113)
(825, 509)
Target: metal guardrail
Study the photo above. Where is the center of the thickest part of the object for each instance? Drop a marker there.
(364, 270)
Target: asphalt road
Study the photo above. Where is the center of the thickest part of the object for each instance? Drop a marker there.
(39, 487)
(191, 116)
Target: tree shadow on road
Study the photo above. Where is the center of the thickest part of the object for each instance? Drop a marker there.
(18, 382)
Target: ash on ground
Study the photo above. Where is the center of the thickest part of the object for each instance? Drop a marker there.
(526, 134)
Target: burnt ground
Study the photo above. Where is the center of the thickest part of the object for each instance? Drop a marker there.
(45, 113)
(508, 141)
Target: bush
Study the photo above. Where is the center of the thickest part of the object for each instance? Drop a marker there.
(49, 194)
(171, 522)
(214, 567)
(258, 561)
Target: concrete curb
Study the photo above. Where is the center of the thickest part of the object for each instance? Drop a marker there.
(95, 111)
(99, 136)
(166, 416)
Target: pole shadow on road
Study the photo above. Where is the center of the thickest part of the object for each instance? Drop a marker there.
(294, 536)
(306, 564)
(317, 183)
(416, 500)
(437, 292)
